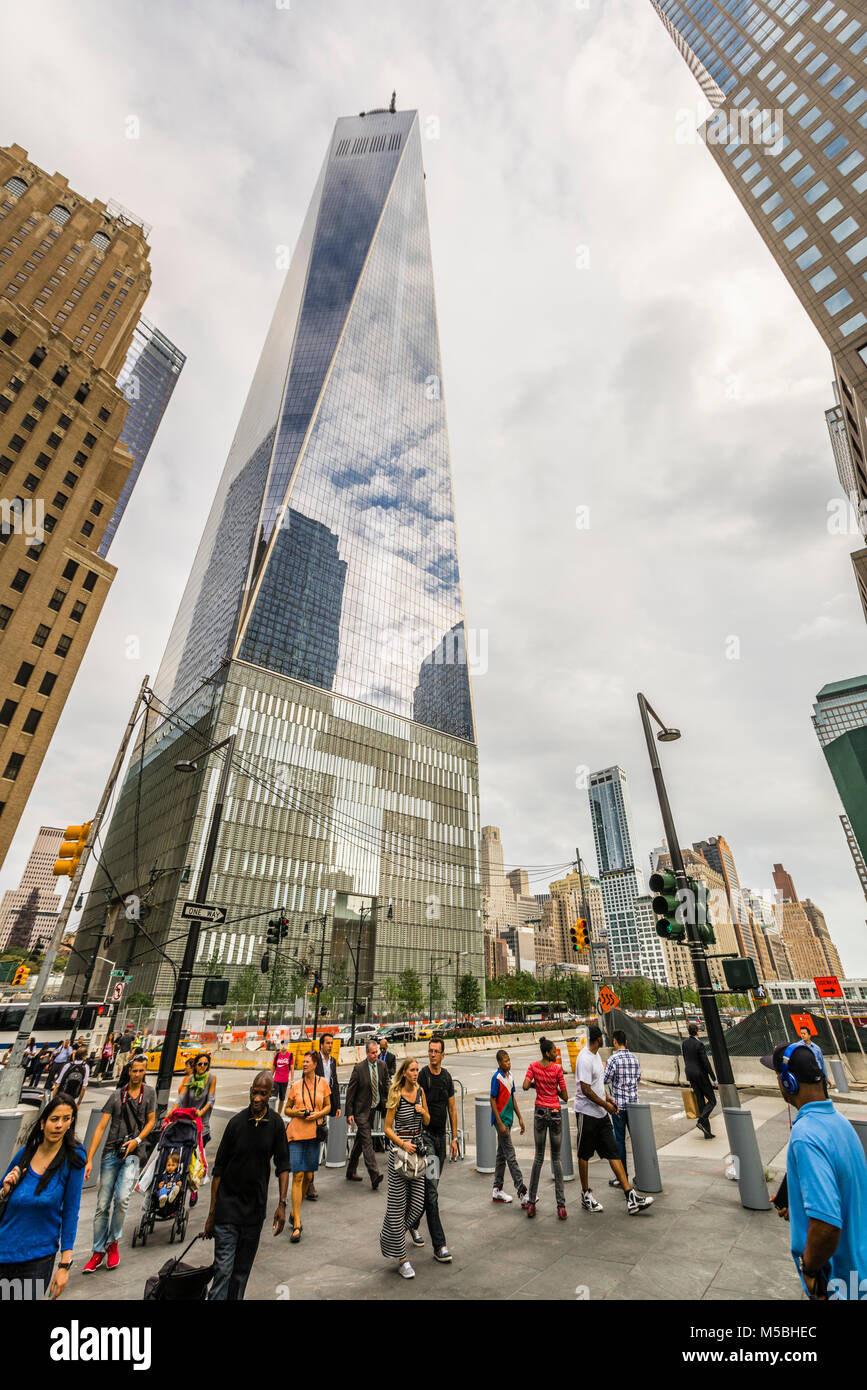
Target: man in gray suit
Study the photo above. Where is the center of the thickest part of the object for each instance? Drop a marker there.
(366, 1093)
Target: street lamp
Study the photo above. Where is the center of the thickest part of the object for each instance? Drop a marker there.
(697, 950)
(175, 1021)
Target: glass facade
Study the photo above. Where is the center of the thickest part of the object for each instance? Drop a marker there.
(323, 621)
(633, 945)
(149, 376)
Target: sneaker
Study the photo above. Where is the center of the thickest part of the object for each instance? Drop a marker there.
(589, 1202)
(561, 1213)
(113, 1256)
(416, 1237)
(530, 1208)
(406, 1270)
(613, 1182)
(522, 1196)
(636, 1203)
(194, 1197)
(498, 1195)
(94, 1262)
(442, 1255)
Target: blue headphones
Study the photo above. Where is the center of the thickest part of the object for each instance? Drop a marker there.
(790, 1082)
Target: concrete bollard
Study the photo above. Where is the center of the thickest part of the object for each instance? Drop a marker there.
(745, 1150)
(92, 1122)
(335, 1150)
(10, 1128)
(839, 1075)
(860, 1127)
(486, 1136)
(644, 1157)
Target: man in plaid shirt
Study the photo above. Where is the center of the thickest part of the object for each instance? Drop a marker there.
(622, 1075)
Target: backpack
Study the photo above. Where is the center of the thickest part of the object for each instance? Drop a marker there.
(74, 1080)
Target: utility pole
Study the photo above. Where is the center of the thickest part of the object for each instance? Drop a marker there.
(318, 978)
(12, 1076)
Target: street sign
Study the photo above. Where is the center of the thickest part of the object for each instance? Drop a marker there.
(116, 975)
(127, 979)
(804, 1021)
(607, 999)
(827, 987)
(204, 912)
(117, 992)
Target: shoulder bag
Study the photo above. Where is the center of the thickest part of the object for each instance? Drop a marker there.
(411, 1165)
(321, 1126)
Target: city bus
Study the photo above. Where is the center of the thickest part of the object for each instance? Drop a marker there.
(534, 1011)
(56, 1019)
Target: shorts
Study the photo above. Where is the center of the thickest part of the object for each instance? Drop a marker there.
(280, 1089)
(304, 1155)
(595, 1135)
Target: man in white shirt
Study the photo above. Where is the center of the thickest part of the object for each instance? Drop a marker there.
(593, 1111)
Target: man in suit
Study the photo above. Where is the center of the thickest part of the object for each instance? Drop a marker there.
(699, 1075)
(366, 1093)
(387, 1057)
(326, 1067)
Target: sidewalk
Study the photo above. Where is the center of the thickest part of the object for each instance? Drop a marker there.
(696, 1242)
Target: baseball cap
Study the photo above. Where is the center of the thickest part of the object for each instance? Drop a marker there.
(802, 1063)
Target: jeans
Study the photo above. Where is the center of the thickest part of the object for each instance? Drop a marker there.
(620, 1124)
(506, 1155)
(234, 1252)
(548, 1124)
(116, 1180)
(436, 1148)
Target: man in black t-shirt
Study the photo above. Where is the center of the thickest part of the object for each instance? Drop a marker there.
(439, 1090)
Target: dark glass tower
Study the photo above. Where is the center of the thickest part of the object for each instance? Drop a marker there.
(326, 577)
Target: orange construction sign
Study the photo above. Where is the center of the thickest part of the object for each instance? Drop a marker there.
(607, 999)
(804, 1021)
(827, 987)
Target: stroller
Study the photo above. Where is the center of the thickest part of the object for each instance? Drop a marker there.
(166, 1177)
(179, 1283)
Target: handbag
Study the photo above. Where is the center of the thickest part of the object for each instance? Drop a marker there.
(690, 1105)
(321, 1126)
(411, 1165)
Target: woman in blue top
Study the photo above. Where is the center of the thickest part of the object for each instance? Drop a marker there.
(40, 1197)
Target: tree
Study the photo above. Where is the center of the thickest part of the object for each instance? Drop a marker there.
(436, 994)
(213, 965)
(243, 991)
(139, 1000)
(335, 990)
(410, 991)
(469, 996)
(390, 994)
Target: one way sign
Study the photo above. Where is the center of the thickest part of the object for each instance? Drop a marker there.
(204, 912)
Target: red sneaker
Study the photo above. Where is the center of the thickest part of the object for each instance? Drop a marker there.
(113, 1256)
(561, 1212)
(530, 1208)
(94, 1262)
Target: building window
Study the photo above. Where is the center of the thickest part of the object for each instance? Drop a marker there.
(63, 646)
(19, 583)
(87, 528)
(96, 508)
(15, 385)
(16, 443)
(37, 357)
(60, 375)
(56, 600)
(50, 522)
(70, 480)
(5, 463)
(31, 482)
(25, 671)
(82, 393)
(30, 723)
(64, 422)
(104, 414)
(39, 403)
(59, 500)
(43, 460)
(28, 422)
(78, 611)
(89, 441)
(53, 440)
(9, 337)
(5, 614)
(13, 767)
(90, 581)
(40, 636)
(71, 570)
(59, 214)
(47, 683)
(80, 459)
(100, 241)
(8, 710)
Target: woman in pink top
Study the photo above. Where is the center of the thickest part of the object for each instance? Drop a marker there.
(284, 1072)
(547, 1078)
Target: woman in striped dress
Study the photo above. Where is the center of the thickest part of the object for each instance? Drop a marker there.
(405, 1117)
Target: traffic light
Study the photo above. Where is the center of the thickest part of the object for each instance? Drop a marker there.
(278, 930)
(20, 976)
(698, 907)
(317, 983)
(215, 990)
(264, 963)
(670, 921)
(741, 975)
(74, 841)
(583, 934)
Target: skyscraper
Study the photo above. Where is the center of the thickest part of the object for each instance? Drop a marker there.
(718, 854)
(28, 913)
(633, 945)
(75, 274)
(148, 377)
(805, 934)
(327, 574)
(840, 721)
(789, 132)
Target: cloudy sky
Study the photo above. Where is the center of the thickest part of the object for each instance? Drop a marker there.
(635, 398)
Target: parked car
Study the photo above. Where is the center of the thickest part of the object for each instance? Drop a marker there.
(399, 1032)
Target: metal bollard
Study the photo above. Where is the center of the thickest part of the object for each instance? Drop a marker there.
(10, 1126)
(92, 1121)
(839, 1075)
(644, 1157)
(486, 1137)
(745, 1150)
(860, 1127)
(335, 1149)
(567, 1162)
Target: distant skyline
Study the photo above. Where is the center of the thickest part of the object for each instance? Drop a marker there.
(635, 400)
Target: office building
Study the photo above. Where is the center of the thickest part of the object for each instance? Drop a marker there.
(718, 854)
(29, 912)
(804, 933)
(632, 949)
(74, 273)
(840, 721)
(326, 577)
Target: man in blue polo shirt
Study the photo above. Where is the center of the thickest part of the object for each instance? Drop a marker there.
(826, 1172)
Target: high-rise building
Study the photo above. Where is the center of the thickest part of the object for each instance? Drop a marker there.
(816, 918)
(718, 854)
(576, 896)
(74, 276)
(148, 377)
(840, 721)
(633, 949)
(327, 574)
(789, 132)
(804, 933)
(29, 912)
(678, 959)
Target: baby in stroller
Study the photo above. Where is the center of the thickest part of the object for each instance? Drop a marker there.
(170, 1182)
